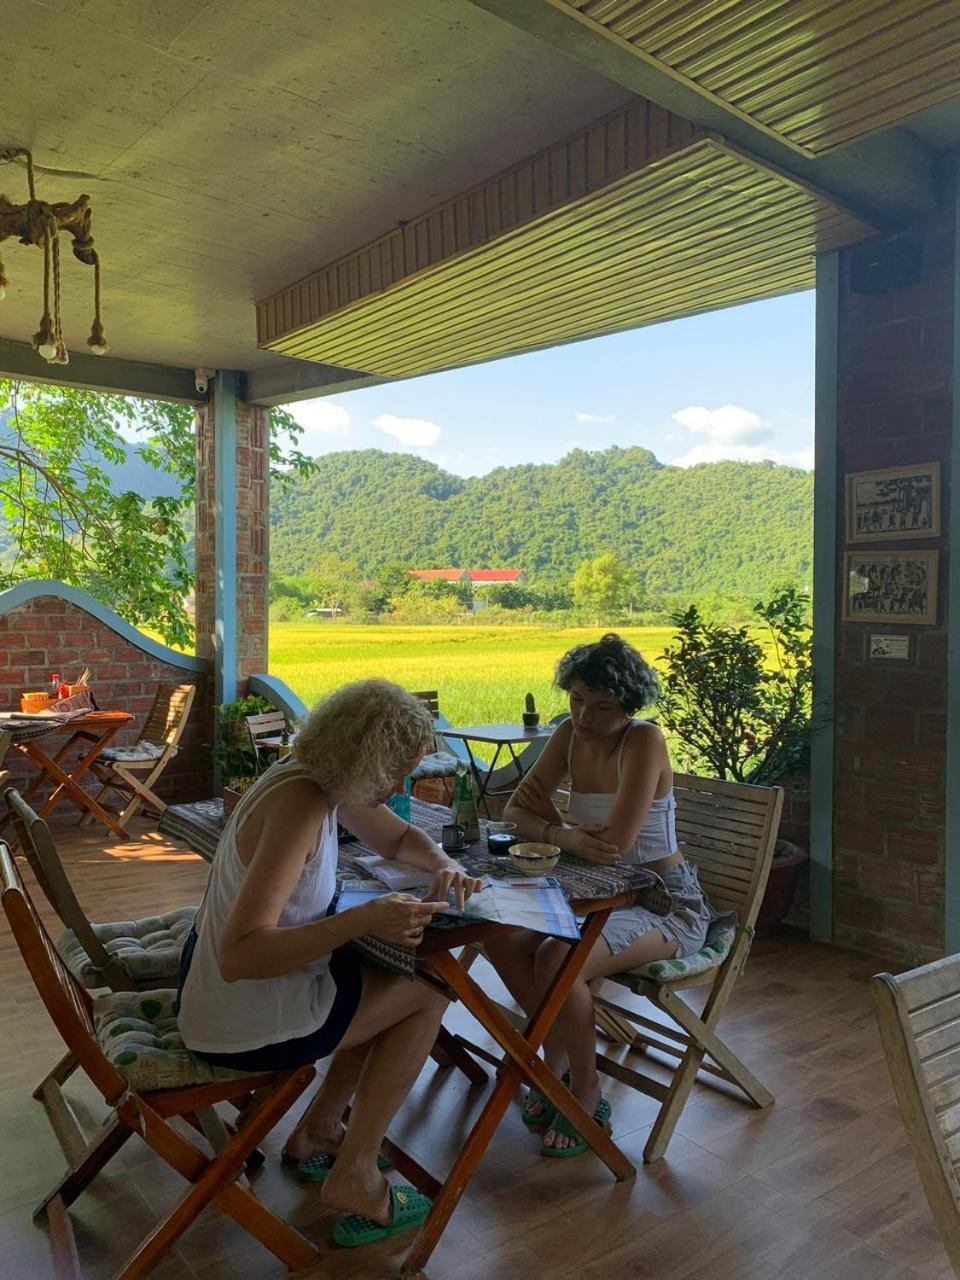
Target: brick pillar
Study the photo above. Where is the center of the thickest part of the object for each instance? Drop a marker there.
(248, 559)
(895, 378)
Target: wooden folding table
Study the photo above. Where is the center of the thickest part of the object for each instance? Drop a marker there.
(97, 729)
(593, 892)
(520, 1064)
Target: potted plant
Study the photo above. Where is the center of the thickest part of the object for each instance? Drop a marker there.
(740, 704)
(234, 752)
(531, 716)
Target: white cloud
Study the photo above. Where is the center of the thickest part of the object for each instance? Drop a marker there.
(321, 418)
(595, 417)
(417, 432)
(717, 452)
(731, 424)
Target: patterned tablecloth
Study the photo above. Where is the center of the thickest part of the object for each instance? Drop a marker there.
(26, 729)
(201, 824)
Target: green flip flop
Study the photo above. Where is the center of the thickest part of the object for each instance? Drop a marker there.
(547, 1110)
(317, 1168)
(560, 1124)
(409, 1208)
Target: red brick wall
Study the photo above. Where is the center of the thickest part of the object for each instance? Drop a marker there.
(49, 634)
(253, 517)
(795, 819)
(894, 407)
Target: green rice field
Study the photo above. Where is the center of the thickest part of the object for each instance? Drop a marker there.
(481, 673)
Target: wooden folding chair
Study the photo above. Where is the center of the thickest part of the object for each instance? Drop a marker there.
(270, 724)
(443, 761)
(128, 955)
(146, 1112)
(919, 1017)
(728, 830)
(119, 768)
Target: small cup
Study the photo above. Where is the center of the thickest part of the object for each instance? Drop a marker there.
(500, 837)
(453, 838)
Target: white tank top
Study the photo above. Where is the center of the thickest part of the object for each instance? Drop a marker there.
(230, 1017)
(657, 837)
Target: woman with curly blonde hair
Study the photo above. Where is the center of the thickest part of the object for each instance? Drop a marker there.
(267, 979)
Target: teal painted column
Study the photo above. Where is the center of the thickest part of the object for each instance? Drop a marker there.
(225, 536)
(824, 597)
(951, 842)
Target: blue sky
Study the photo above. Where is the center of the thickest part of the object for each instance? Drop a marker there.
(731, 384)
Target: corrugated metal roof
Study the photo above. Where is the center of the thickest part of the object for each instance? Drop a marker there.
(701, 228)
(816, 72)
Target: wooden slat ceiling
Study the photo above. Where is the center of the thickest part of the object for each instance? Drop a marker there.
(638, 220)
(818, 73)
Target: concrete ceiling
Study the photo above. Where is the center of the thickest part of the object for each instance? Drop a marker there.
(230, 147)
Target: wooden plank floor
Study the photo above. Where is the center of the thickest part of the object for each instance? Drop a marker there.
(821, 1185)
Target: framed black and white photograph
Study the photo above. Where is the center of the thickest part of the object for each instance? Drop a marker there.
(890, 586)
(894, 504)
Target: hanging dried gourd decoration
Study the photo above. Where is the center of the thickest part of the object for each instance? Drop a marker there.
(42, 224)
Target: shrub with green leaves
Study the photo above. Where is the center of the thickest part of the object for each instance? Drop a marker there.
(234, 750)
(740, 707)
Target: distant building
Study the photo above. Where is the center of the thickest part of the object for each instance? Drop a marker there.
(478, 577)
(490, 577)
(439, 575)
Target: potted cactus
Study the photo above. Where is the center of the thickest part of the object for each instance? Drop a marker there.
(531, 716)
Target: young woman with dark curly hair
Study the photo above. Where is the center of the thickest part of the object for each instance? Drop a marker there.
(621, 810)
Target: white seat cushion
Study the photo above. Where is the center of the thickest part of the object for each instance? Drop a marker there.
(710, 956)
(148, 949)
(139, 751)
(138, 1033)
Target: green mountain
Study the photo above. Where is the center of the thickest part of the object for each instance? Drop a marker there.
(732, 528)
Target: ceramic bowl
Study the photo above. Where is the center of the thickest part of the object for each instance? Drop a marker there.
(534, 859)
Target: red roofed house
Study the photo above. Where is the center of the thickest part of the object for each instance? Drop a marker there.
(486, 577)
(440, 575)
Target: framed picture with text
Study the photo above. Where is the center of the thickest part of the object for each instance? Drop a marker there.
(894, 504)
(891, 586)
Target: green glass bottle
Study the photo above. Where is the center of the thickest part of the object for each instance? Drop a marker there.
(465, 806)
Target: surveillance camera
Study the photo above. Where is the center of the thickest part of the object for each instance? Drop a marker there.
(201, 378)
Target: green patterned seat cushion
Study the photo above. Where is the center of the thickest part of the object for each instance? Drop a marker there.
(439, 764)
(710, 956)
(139, 1035)
(149, 949)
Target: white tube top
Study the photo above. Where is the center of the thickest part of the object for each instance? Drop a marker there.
(657, 837)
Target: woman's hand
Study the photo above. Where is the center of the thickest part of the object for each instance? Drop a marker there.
(453, 879)
(589, 842)
(397, 917)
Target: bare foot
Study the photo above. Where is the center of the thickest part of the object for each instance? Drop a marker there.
(533, 1108)
(588, 1100)
(306, 1141)
(354, 1188)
